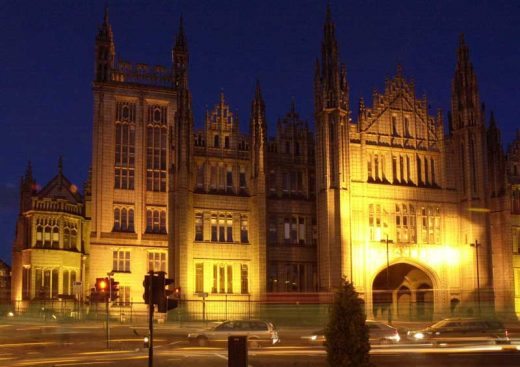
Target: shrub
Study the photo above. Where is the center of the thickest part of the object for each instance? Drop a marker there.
(346, 333)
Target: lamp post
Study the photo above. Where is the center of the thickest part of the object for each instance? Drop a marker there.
(388, 241)
(477, 245)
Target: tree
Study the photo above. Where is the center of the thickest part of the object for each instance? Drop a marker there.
(346, 333)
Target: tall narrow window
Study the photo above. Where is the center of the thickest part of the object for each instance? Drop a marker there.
(214, 288)
(221, 228)
(199, 227)
(426, 172)
(408, 168)
(406, 127)
(66, 284)
(301, 231)
(55, 237)
(222, 279)
(287, 230)
(394, 169)
(124, 164)
(272, 182)
(242, 179)
(214, 233)
(213, 178)
(273, 231)
(463, 168)
(401, 169)
(432, 167)
(199, 277)
(244, 281)
(156, 139)
(419, 171)
(216, 141)
(376, 167)
(226, 142)
(369, 168)
(229, 279)
(244, 233)
(229, 179)
(229, 228)
(156, 221)
(200, 177)
(395, 132)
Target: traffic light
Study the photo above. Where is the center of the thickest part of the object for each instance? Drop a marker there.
(161, 295)
(114, 290)
(166, 303)
(101, 285)
(146, 285)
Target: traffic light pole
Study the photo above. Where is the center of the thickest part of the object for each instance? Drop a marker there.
(150, 319)
(107, 318)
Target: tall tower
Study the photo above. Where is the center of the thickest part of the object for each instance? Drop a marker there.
(181, 185)
(258, 206)
(468, 138)
(332, 162)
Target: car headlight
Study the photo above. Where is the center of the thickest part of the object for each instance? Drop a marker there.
(418, 336)
(314, 337)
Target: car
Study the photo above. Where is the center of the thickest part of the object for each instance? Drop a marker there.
(258, 333)
(378, 333)
(461, 330)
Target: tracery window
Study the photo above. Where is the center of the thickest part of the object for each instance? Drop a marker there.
(156, 220)
(123, 219)
(156, 140)
(124, 164)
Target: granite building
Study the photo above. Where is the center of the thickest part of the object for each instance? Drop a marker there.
(422, 214)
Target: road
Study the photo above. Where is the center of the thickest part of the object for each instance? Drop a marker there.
(56, 345)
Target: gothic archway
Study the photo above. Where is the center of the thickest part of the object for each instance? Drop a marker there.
(404, 290)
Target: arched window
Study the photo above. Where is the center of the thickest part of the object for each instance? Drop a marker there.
(130, 220)
(229, 228)
(39, 236)
(124, 222)
(47, 237)
(117, 220)
(221, 228)
(73, 240)
(66, 238)
(162, 222)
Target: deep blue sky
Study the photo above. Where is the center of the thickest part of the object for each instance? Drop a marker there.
(46, 64)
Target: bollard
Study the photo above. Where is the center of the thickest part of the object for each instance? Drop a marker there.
(237, 351)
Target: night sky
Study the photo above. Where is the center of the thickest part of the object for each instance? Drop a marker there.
(47, 54)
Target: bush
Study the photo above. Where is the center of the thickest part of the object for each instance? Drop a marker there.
(346, 333)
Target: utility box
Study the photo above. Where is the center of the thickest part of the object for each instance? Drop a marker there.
(237, 351)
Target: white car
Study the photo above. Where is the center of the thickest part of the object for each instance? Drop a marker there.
(258, 333)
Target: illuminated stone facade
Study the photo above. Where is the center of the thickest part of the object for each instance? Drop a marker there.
(390, 201)
(51, 248)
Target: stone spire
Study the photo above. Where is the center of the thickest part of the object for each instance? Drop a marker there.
(465, 101)
(180, 57)
(105, 50)
(331, 82)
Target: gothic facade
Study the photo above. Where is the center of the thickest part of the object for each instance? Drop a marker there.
(424, 222)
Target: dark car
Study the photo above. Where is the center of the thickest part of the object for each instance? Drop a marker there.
(257, 332)
(378, 332)
(462, 330)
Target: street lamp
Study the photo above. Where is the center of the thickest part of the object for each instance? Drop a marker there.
(388, 241)
(477, 245)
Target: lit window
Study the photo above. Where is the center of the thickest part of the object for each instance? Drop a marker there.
(121, 261)
(156, 261)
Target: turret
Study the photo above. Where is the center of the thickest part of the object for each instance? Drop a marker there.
(27, 188)
(466, 109)
(496, 159)
(105, 52)
(331, 87)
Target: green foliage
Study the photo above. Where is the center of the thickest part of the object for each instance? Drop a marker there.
(346, 333)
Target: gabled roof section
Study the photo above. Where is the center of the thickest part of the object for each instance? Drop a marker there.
(399, 114)
(61, 188)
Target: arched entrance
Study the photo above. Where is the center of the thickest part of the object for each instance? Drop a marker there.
(404, 290)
